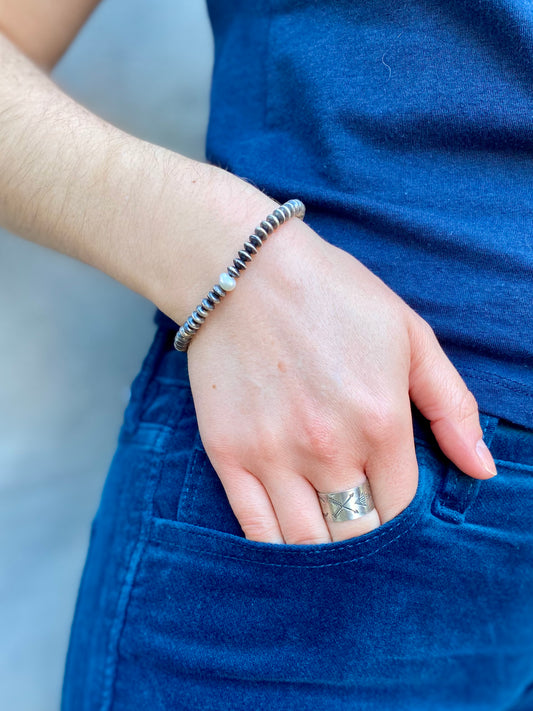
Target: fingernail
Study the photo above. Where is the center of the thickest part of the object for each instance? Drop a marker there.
(485, 457)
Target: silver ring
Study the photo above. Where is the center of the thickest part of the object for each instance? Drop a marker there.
(347, 505)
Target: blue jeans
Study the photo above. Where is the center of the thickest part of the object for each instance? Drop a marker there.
(177, 610)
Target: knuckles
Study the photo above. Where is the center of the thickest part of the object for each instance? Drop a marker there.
(258, 528)
(419, 328)
(318, 435)
(228, 449)
(383, 423)
(321, 436)
(465, 408)
(221, 449)
(332, 439)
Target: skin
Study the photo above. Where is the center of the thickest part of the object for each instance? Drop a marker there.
(280, 414)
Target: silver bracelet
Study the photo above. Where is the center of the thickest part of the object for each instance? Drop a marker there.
(226, 282)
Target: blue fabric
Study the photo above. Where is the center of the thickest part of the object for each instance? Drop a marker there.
(177, 610)
(407, 130)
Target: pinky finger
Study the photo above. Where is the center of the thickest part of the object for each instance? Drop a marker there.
(251, 505)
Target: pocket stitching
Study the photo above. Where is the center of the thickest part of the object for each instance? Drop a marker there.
(247, 550)
(187, 495)
(284, 550)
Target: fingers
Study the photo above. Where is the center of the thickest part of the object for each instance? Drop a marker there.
(442, 397)
(295, 501)
(393, 471)
(252, 506)
(390, 470)
(300, 515)
(290, 510)
(288, 513)
(285, 507)
(358, 496)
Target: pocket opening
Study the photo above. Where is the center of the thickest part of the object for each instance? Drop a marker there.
(197, 527)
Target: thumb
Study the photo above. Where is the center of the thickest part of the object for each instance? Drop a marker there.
(441, 395)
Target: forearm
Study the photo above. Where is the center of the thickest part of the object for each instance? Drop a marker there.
(44, 30)
(136, 211)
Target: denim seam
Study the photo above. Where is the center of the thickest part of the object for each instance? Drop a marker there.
(470, 485)
(449, 505)
(208, 534)
(497, 380)
(292, 565)
(516, 465)
(184, 502)
(142, 381)
(115, 634)
(111, 662)
(121, 610)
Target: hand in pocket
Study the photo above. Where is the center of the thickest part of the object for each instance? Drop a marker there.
(302, 381)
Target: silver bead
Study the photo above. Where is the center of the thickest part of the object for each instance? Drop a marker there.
(249, 247)
(197, 318)
(286, 211)
(207, 304)
(219, 291)
(256, 241)
(267, 227)
(233, 272)
(273, 220)
(299, 208)
(279, 215)
(261, 233)
(244, 255)
(239, 264)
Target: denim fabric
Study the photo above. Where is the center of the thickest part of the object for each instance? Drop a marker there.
(177, 610)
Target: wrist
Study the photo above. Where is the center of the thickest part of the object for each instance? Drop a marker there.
(197, 235)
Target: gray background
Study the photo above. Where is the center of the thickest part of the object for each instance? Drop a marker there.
(71, 341)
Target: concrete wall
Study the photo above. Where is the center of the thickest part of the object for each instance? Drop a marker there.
(71, 340)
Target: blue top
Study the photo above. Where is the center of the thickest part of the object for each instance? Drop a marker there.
(407, 130)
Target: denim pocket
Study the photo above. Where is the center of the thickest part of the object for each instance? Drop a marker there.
(205, 522)
(215, 621)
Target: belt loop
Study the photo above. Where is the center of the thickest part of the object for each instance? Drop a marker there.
(489, 424)
(458, 490)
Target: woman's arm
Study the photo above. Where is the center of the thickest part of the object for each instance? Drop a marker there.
(134, 210)
(44, 30)
(302, 378)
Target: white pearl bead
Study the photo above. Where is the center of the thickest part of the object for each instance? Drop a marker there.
(227, 282)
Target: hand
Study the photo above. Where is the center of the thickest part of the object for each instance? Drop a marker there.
(302, 381)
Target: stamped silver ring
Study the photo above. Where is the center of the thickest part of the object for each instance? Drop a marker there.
(347, 505)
